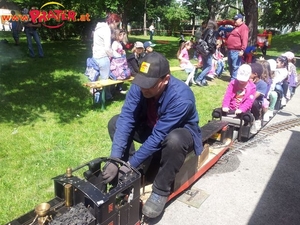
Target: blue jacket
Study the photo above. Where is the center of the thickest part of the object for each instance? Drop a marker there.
(176, 108)
(92, 70)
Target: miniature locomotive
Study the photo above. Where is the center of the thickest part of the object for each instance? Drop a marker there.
(81, 196)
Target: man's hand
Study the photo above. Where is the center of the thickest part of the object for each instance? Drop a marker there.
(123, 171)
(241, 53)
(110, 171)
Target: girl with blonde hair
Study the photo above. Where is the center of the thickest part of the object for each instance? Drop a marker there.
(185, 63)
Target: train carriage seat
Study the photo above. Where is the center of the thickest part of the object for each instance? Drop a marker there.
(242, 123)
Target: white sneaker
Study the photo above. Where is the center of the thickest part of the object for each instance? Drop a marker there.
(258, 124)
(253, 129)
(283, 101)
(123, 92)
(211, 76)
(271, 114)
(266, 116)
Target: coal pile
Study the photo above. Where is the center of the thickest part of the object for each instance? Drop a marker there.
(77, 215)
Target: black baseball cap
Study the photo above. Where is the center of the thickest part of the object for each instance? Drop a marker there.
(153, 66)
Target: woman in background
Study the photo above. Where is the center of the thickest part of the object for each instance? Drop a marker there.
(102, 46)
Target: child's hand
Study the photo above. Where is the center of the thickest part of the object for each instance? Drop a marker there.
(238, 111)
(225, 109)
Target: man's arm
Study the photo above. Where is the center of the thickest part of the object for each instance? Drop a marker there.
(244, 37)
(126, 121)
(228, 95)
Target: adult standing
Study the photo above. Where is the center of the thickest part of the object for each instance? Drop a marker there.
(102, 46)
(151, 30)
(237, 42)
(265, 47)
(30, 29)
(159, 112)
(210, 36)
(15, 27)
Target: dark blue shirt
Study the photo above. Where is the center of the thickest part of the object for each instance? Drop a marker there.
(261, 87)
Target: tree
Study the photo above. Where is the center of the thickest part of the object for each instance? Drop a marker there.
(280, 13)
(251, 16)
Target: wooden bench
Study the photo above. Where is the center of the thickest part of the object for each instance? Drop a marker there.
(100, 84)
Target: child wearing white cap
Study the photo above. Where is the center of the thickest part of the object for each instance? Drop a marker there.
(240, 93)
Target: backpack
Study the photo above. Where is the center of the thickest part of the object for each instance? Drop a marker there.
(119, 69)
(206, 46)
(202, 47)
(92, 69)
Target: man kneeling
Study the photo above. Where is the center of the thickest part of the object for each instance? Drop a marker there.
(159, 112)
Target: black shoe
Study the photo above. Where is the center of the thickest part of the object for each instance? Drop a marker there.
(154, 205)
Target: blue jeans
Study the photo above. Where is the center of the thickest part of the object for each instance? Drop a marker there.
(104, 69)
(207, 64)
(35, 35)
(278, 87)
(220, 67)
(234, 62)
(151, 35)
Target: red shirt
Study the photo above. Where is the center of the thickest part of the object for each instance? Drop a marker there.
(238, 38)
(151, 112)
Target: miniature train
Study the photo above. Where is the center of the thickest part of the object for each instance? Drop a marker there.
(80, 193)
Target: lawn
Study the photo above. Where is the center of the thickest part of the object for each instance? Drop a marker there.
(48, 123)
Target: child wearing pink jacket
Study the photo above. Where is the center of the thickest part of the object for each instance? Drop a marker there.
(240, 93)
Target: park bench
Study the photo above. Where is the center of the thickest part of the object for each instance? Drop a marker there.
(100, 84)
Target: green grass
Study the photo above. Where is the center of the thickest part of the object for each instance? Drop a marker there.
(47, 122)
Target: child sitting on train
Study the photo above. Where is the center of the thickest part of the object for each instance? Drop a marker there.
(185, 63)
(261, 91)
(240, 93)
(267, 77)
(238, 99)
(278, 85)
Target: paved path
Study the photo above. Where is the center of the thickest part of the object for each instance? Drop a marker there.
(259, 186)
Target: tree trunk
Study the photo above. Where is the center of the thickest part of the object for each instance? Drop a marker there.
(251, 18)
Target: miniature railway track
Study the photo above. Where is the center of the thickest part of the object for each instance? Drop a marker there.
(266, 131)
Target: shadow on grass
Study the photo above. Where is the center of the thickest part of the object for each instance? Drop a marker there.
(30, 87)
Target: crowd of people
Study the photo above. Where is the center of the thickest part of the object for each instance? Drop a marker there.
(159, 110)
(30, 29)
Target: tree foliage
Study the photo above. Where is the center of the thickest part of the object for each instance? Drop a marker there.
(280, 13)
(173, 14)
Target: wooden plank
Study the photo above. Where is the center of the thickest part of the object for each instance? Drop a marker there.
(104, 83)
(96, 85)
